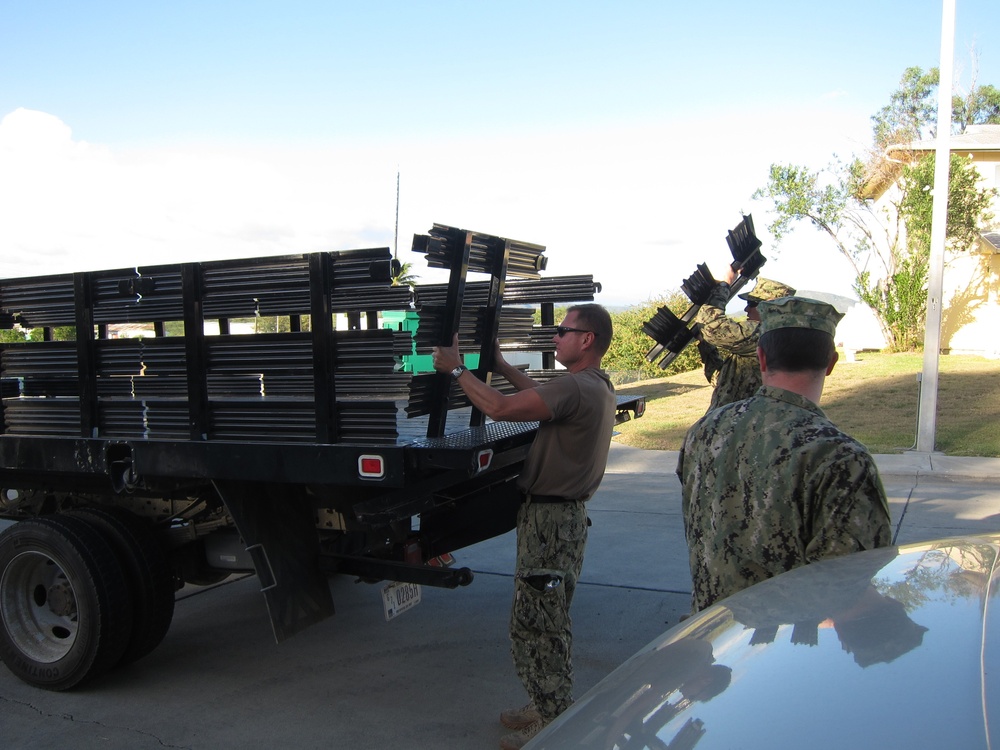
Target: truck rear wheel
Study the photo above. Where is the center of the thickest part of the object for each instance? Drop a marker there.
(147, 572)
(64, 602)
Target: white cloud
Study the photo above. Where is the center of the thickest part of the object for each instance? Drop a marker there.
(68, 206)
(639, 207)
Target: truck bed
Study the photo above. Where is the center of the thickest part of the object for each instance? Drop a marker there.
(175, 423)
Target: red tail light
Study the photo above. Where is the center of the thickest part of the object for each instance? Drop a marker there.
(484, 459)
(371, 466)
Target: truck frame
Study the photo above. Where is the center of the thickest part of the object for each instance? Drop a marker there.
(130, 467)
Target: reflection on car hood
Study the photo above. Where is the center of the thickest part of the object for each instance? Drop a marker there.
(887, 648)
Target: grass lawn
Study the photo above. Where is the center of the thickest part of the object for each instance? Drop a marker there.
(873, 399)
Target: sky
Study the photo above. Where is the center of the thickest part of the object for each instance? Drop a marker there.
(626, 137)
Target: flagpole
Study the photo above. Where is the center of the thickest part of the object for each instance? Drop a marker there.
(927, 411)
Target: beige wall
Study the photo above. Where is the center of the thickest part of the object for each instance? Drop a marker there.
(971, 314)
(970, 322)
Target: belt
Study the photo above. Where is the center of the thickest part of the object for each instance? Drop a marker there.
(551, 499)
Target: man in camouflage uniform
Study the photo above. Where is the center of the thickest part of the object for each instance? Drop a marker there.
(728, 347)
(769, 483)
(564, 467)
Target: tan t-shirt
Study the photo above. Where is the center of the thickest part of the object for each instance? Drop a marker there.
(570, 452)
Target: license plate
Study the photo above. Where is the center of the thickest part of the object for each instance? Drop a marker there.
(398, 597)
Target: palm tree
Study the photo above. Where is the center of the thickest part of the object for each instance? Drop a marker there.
(404, 277)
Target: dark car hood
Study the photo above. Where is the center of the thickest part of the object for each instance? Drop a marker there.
(896, 647)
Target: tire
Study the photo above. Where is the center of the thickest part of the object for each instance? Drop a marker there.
(147, 572)
(65, 607)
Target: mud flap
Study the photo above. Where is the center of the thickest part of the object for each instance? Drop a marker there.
(278, 526)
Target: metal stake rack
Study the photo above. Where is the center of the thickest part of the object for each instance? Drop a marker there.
(476, 311)
(269, 387)
(671, 333)
(462, 251)
(311, 384)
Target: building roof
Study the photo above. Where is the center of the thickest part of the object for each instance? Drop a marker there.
(975, 138)
(886, 170)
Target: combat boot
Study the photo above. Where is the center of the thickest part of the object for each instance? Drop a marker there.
(519, 718)
(517, 740)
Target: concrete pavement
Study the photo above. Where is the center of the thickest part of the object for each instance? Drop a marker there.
(438, 675)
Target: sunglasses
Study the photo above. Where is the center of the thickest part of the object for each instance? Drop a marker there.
(563, 330)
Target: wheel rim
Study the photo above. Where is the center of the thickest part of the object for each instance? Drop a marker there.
(39, 607)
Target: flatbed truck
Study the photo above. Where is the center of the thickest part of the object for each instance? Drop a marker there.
(132, 466)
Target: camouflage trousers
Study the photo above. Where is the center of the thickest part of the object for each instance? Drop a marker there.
(550, 542)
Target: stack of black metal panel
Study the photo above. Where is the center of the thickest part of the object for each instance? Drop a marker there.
(672, 333)
(481, 312)
(175, 381)
(254, 386)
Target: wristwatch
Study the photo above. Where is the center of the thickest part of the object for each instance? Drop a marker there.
(457, 372)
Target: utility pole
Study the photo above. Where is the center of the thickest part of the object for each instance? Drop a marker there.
(927, 411)
(395, 238)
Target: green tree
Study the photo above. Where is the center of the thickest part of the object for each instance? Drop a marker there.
(911, 113)
(911, 109)
(889, 249)
(979, 106)
(12, 335)
(269, 323)
(968, 204)
(558, 313)
(626, 358)
(405, 275)
(59, 333)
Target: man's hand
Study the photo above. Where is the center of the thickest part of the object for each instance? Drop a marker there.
(524, 406)
(447, 358)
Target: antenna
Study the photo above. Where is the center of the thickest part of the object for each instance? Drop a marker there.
(395, 239)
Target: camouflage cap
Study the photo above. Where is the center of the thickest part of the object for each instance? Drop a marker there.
(798, 312)
(766, 289)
